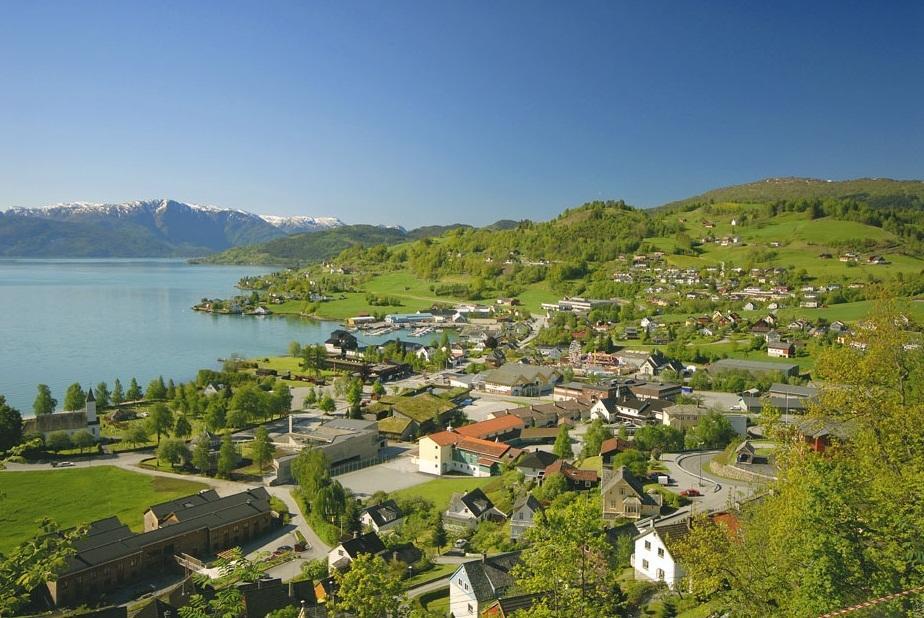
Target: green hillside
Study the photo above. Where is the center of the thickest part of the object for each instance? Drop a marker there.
(876, 191)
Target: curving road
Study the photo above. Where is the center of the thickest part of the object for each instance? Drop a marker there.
(690, 470)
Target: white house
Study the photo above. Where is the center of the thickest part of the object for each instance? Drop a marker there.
(384, 517)
(477, 584)
(653, 559)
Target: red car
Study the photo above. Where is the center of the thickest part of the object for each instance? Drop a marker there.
(690, 493)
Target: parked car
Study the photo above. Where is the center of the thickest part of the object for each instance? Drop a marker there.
(64, 464)
(664, 479)
(460, 543)
(282, 549)
(690, 493)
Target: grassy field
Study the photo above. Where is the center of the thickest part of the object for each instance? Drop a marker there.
(439, 491)
(78, 496)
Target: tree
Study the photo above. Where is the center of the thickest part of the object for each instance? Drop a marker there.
(10, 426)
(136, 434)
(634, 460)
(173, 451)
(552, 486)
(662, 438)
(594, 438)
(58, 441)
(216, 413)
(311, 396)
(568, 546)
(247, 403)
(171, 390)
(439, 534)
(354, 396)
(712, 430)
(327, 404)
(201, 458)
(182, 428)
(281, 400)
(134, 391)
(75, 398)
(33, 563)
(313, 358)
(83, 439)
(295, 349)
(160, 420)
(261, 449)
(118, 395)
(156, 389)
(44, 403)
(562, 446)
(369, 589)
(843, 525)
(103, 397)
(310, 471)
(378, 389)
(228, 457)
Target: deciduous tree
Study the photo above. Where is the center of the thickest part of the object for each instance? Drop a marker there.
(201, 458)
(156, 389)
(10, 425)
(261, 449)
(562, 446)
(75, 398)
(228, 457)
(160, 420)
(369, 589)
(44, 403)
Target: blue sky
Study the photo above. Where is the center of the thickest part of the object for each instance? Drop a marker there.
(434, 112)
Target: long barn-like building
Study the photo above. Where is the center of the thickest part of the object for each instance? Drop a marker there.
(111, 555)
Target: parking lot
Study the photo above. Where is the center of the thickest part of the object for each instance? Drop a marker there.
(390, 476)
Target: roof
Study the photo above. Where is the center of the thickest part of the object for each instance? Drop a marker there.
(613, 445)
(779, 345)
(653, 387)
(395, 424)
(537, 460)
(623, 474)
(368, 543)
(422, 408)
(751, 365)
(444, 438)
(669, 529)
(475, 501)
(109, 539)
(820, 427)
(746, 446)
(528, 501)
(538, 433)
(501, 424)
(384, 513)
(491, 578)
(164, 509)
(793, 390)
(514, 374)
(57, 421)
(504, 608)
(571, 473)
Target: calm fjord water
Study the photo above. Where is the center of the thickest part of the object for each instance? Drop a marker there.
(64, 321)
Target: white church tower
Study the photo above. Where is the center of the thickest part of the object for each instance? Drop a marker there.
(90, 410)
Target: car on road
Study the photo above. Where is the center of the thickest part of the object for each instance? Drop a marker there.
(63, 464)
(691, 493)
(460, 543)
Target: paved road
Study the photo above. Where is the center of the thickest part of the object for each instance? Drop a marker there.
(690, 471)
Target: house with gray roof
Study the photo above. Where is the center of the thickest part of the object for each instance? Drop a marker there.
(521, 380)
(477, 584)
(471, 507)
(523, 515)
(624, 496)
(383, 517)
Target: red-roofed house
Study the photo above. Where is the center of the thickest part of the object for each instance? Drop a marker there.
(450, 451)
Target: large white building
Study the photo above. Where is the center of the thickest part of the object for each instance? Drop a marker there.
(653, 559)
(67, 422)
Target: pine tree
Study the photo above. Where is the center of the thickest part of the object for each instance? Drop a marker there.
(103, 398)
(227, 457)
(562, 446)
(134, 391)
(118, 395)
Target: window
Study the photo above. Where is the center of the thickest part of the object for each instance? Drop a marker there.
(471, 610)
(660, 574)
(645, 564)
(647, 544)
(660, 552)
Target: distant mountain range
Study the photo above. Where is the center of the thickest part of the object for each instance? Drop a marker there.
(167, 228)
(153, 228)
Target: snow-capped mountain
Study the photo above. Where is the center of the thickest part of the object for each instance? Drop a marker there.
(144, 228)
(301, 223)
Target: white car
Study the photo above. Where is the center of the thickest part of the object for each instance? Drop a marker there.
(65, 464)
(460, 543)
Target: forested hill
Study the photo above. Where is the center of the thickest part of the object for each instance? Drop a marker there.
(319, 246)
(876, 192)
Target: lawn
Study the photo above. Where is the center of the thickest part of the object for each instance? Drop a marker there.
(438, 571)
(439, 491)
(78, 496)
